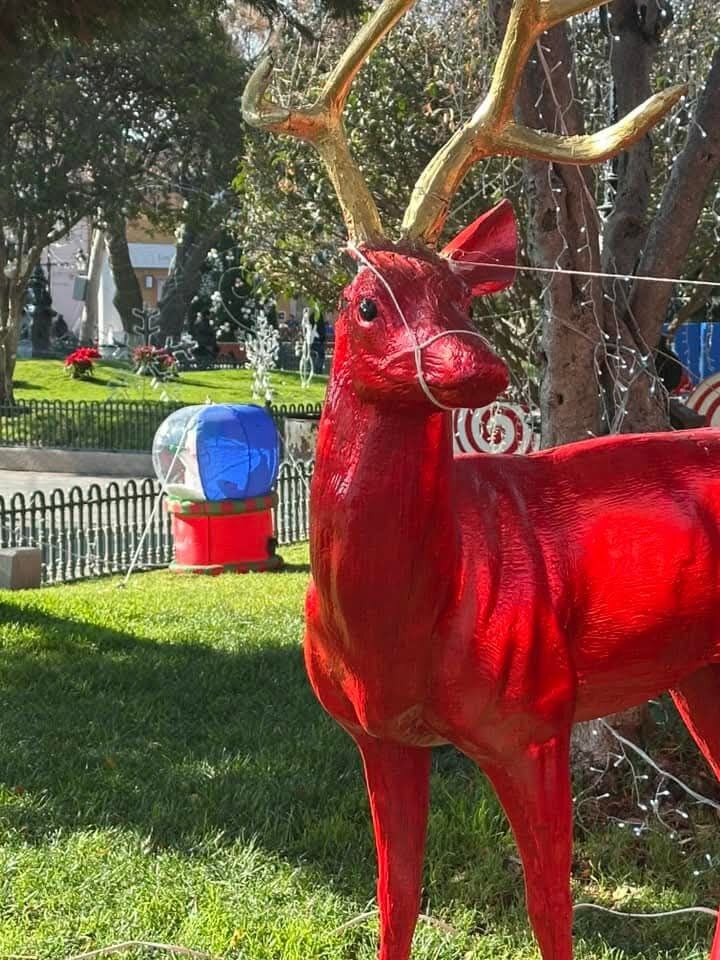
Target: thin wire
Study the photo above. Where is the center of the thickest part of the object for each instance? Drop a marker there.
(646, 916)
(458, 264)
(649, 760)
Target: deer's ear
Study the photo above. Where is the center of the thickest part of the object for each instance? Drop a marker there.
(485, 253)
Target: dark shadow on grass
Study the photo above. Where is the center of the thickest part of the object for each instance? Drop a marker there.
(186, 744)
(198, 383)
(293, 567)
(24, 385)
(182, 742)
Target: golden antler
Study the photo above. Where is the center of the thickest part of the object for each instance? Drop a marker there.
(491, 132)
(322, 124)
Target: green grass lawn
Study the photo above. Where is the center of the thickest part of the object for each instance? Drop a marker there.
(166, 775)
(47, 380)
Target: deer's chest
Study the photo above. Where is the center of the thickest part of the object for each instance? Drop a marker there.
(368, 652)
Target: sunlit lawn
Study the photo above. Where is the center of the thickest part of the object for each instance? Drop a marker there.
(47, 380)
(166, 775)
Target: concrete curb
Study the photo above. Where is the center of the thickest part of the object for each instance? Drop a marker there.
(86, 463)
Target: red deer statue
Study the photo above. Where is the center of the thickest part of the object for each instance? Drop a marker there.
(488, 602)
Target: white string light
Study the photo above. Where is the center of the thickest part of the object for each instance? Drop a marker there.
(698, 797)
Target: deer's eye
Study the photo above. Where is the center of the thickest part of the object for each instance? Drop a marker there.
(368, 309)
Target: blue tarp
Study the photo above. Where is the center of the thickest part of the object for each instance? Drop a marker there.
(697, 345)
(237, 451)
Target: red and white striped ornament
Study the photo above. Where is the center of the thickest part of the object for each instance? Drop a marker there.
(705, 399)
(498, 428)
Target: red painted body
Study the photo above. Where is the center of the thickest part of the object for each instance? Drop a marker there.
(491, 602)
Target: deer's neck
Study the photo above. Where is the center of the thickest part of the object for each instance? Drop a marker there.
(383, 529)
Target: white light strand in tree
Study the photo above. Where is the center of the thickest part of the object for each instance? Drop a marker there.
(308, 335)
(237, 311)
(263, 348)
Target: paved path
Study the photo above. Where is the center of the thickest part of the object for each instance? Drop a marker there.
(27, 481)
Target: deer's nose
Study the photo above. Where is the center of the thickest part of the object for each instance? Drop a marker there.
(462, 370)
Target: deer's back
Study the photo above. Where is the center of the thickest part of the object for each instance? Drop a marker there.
(602, 564)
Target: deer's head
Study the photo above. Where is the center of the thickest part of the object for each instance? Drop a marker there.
(404, 332)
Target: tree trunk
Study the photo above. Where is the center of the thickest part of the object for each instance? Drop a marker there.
(11, 306)
(128, 295)
(563, 232)
(636, 33)
(89, 329)
(635, 44)
(7, 369)
(184, 279)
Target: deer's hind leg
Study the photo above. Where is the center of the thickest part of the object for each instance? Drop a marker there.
(534, 790)
(698, 701)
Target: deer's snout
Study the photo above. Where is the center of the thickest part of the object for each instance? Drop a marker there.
(461, 369)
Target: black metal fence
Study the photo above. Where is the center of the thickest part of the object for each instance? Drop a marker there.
(89, 533)
(106, 530)
(118, 425)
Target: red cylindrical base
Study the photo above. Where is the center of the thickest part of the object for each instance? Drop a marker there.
(224, 536)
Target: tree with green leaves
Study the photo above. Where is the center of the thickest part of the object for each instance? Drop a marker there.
(101, 129)
(188, 186)
(20, 21)
(41, 21)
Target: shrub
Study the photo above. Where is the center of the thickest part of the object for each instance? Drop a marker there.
(80, 362)
(150, 361)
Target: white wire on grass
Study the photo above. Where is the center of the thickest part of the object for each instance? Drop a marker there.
(645, 916)
(451, 931)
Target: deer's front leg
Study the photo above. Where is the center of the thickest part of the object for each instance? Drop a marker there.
(534, 790)
(398, 783)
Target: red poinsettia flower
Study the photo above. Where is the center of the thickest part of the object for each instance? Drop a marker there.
(80, 361)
